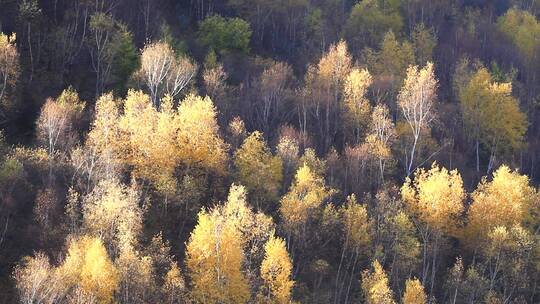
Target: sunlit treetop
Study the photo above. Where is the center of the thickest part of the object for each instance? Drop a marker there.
(436, 197)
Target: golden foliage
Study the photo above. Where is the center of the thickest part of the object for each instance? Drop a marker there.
(89, 270)
(335, 64)
(155, 143)
(435, 197)
(356, 225)
(111, 211)
(214, 261)
(307, 193)
(414, 292)
(375, 286)
(9, 64)
(356, 104)
(198, 135)
(491, 114)
(276, 269)
(505, 201)
(56, 125)
(259, 170)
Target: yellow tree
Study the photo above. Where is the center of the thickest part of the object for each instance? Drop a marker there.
(435, 199)
(136, 276)
(505, 201)
(198, 134)
(112, 213)
(148, 138)
(324, 84)
(37, 281)
(157, 142)
(89, 272)
(416, 101)
(56, 125)
(255, 228)
(174, 286)
(414, 292)
(356, 105)
(259, 170)
(507, 252)
(306, 195)
(9, 67)
(381, 136)
(375, 286)
(492, 115)
(276, 269)
(357, 236)
(214, 258)
(99, 158)
(523, 29)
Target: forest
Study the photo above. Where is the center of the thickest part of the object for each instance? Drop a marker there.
(269, 151)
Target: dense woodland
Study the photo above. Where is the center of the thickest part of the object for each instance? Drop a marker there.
(269, 151)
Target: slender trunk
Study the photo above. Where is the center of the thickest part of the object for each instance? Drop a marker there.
(28, 32)
(477, 156)
(413, 150)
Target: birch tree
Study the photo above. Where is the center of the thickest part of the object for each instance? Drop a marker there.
(164, 72)
(417, 101)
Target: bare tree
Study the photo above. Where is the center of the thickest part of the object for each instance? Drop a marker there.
(273, 84)
(163, 72)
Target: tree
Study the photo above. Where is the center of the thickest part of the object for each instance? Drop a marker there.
(404, 247)
(198, 135)
(164, 72)
(370, 20)
(57, 122)
(381, 136)
(224, 35)
(125, 62)
(136, 274)
(37, 281)
(90, 275)
(174, 286)
(259, 170)
(507, 252)
(424, 41)
(394, 57)
(505, 201)
(112, 213)
(307, 194)
(375, 286)
(9, 67)
(101, 153)
(357, 237)
(416, 100)
(324, 83)
(273, 86)
(215, 82)
(523, 29)
(389, 65)
(155, 143)
(356, 105)
(276, 271)
(214, 258)
(108, 40)
(491, 116)
(414, 292)
(435, 199)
